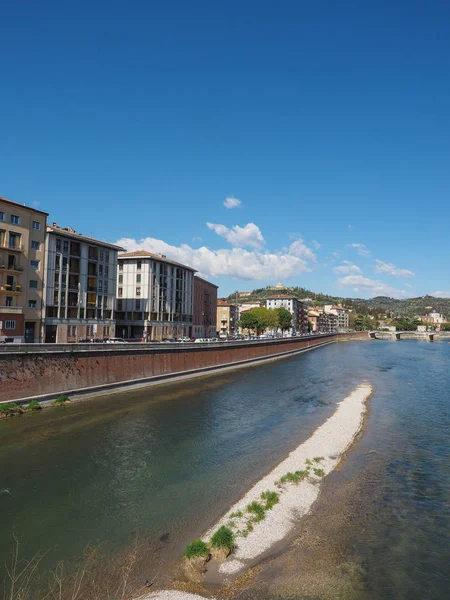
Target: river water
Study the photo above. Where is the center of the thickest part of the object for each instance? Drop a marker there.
(168, 460)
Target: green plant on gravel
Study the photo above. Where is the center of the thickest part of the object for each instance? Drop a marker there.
(10, 408)
(237, 515)
(294, 477)
(248, 530)
(196, 548)
(270, 498)
(231, 524)
(258, 510)
(223, 539)
(308, 462)
(318, 459)
(61, 400)
(319, 472)
(34, 405)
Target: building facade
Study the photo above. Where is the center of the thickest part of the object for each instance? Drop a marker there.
(297, 309)
(205, 308)
(80, 289)
(343, 319)
(22, 247)
(227, 317)
(155, 297)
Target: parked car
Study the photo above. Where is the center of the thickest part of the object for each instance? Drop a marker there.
(115, 340)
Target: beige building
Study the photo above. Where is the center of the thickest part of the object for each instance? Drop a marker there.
(80, 291)
(227, 316)
(22, 242)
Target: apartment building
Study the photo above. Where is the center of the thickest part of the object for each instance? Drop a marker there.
(227, 317)
(22, 242)
(343, 318)
(297, 309)
(80, 287)
(155, 297)
(205, 308)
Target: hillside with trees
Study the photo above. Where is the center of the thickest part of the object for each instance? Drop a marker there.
(381, 305)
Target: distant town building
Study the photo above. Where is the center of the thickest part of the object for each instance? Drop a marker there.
(313, 318)
(328, 322)
(154, 297)
(244, 294)
(204, 323)
(341, 313)
(279, 286)
(227, 317)
(245, 306)
(80, 292)
(22, 247)
(433, 316)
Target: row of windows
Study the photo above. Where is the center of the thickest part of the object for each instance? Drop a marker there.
(138, 278)
(10, 324)
(9, 302)
(15, 220)
(72, 330)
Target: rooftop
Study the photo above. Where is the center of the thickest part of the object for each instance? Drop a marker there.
(41, 212)
(205, 281)
(281, 296)
(69, 232)
(161, 257)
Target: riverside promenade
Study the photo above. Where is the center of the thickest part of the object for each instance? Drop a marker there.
(43, 371)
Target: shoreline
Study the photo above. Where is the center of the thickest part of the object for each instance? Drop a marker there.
(329, 442)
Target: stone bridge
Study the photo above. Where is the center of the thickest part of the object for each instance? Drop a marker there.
(397, 335)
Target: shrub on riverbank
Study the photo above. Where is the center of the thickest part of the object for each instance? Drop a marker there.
(223, 539)
(196, 548)
(9, 409)
(34, 405)
(60, 400)
(294, 477)
(319, 472)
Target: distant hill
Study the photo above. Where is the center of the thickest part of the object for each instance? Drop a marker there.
(392, 307)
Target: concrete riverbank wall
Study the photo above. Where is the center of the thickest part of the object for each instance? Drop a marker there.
(48, 370)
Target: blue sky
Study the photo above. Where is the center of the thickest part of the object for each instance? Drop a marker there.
(328, 121)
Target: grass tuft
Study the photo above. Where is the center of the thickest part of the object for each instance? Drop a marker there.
(270, 498)
(196, 548)
(318, 459)
(258, 510)
(294, 477)
(223, 539)
(10, 408)
(61, 400)
(319, 472)
(34, 405)
(237, 515)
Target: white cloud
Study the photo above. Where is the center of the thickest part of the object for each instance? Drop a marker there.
(196, 238)
(408, 285)
(349, 226)
(347, 268)
(390, 269)
(234, 262)
(372, 287)
(315, 245)
(360, 248)
(250, 235)
(231, 202)
(441, 294)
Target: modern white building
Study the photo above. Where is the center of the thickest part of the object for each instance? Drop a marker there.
(80, 286)
(289, 303)
(154, 297)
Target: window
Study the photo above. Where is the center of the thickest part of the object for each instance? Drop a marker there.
(119, 304)
(100, 270)
(138, 278)
(120, 292)
(9, 301)
(100, 256)
(106, 270)
(121, 266)
(55, 297)
(10, 324)
(36, 225)
(35, 245)
(120, 278)
(58, 245)
(31, 303)
(100, 285)
(138, 291)
(33, 284)
(138, 305)
(107, 257)
(2, 216)
(15, 220)
(34, 264)
(105, 287)
(139, 264)
(66, 246)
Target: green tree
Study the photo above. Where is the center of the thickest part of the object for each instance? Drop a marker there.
(284, 318)
(248, 321)
(272, 319)
(445, 327)
(262, 319)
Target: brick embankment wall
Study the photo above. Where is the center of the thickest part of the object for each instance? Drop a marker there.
(50, 372)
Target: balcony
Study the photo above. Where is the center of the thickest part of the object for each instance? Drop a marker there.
(11, 289)
(11, 310)
(14, 246)
(14, 268)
